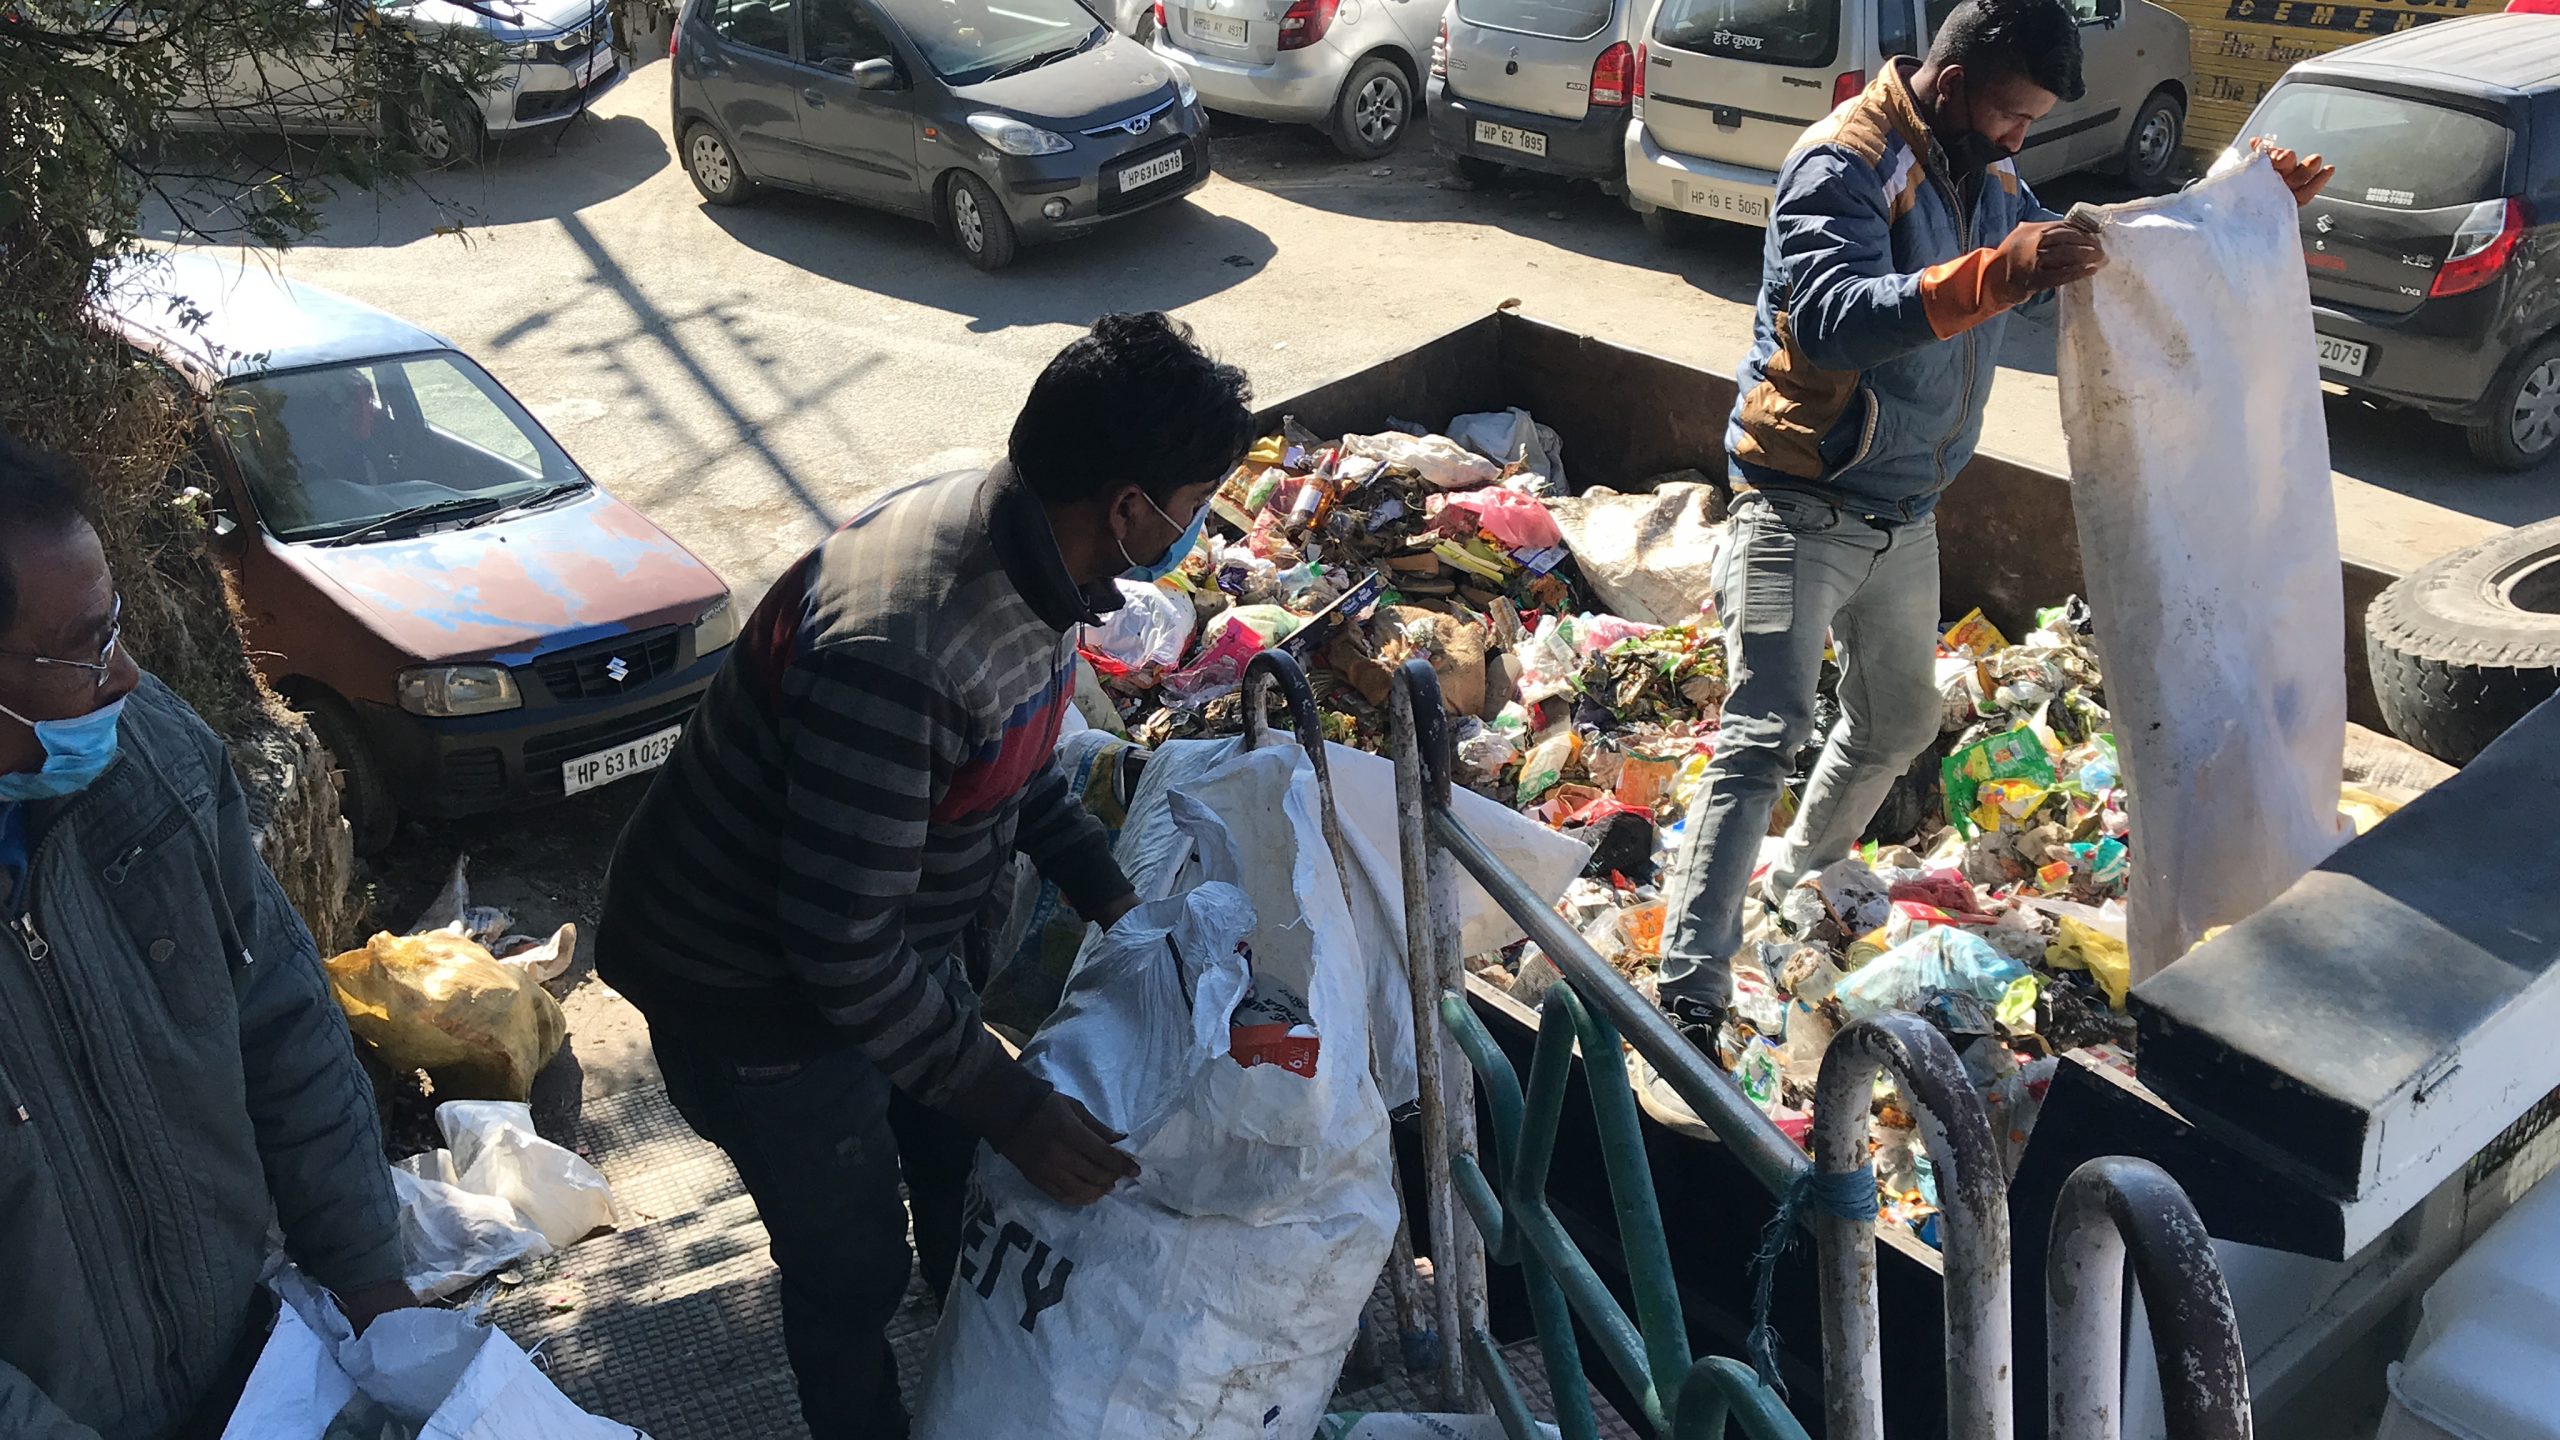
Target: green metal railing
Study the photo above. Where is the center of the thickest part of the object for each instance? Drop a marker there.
(1681, 1398)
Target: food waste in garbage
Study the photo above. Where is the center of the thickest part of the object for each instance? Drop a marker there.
(1987, 898)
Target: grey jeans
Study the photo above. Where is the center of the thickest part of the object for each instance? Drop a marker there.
(1797, 568)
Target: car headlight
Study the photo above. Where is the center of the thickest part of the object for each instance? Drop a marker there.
(1013, 137)
(715, 628)
(523, 50)
(450, 690)
(1183, 87)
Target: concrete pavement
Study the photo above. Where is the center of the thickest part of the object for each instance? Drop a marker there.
(747, 376)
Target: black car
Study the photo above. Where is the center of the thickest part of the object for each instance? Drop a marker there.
(1004, 122)
(2431, 252)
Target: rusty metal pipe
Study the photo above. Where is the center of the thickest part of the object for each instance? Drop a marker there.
(1973, 1191)
(2109, 1207)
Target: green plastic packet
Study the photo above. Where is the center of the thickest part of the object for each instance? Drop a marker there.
(2011, 755)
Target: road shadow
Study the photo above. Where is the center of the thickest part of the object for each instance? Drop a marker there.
(582, 162)
(2405, 452)
(1157, 259)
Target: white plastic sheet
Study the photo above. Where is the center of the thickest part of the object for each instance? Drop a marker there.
(2200, 477)
(1214, 1297)
(432, 1374)
(500, 1195)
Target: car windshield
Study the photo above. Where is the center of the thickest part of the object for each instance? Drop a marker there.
(971, 41)
(2391, 153)
(1556, 19)
(1770, 32)
(339, 450)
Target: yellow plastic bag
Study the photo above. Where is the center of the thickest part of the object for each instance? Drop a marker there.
(438, 1002)
(2079, 946)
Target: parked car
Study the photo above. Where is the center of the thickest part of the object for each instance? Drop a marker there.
(560, 56)
(1004, 123)
(1351, 68)
(469, 621)
(2431, 251)
(1724, 87)
(1538, 84)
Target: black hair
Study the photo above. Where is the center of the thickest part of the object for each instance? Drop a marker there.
(39, 491)
(1134, 402)
(2033, 40)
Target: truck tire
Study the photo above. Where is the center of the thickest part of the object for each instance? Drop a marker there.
(2463, 646)
(364, 792)
(2522, 426)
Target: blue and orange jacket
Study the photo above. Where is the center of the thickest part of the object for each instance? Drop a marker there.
(1876, 337)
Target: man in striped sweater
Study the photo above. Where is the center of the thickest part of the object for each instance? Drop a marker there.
(802, 906)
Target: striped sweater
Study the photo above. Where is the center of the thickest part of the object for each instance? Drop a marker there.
(816, 862)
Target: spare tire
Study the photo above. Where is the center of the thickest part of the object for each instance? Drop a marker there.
(2463, 646)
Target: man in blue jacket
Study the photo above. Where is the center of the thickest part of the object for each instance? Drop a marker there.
(1900, 239)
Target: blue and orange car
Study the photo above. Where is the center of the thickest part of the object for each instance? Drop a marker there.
(471, 623)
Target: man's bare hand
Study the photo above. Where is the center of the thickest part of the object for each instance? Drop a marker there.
(1069, 1154)
(2304, 175)
(1109, 914)
(371, 1303)
(2042, 254)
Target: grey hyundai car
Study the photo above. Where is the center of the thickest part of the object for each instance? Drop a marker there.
(1005, 122)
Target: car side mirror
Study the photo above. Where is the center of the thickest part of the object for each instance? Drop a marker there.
(875, 75)
(2110, 12)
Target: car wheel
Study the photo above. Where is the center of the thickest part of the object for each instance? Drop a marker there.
(2463, 646)
(713, 166)
(1669, 226)
(446, 131)
(364, 792)
(1375, 106)
(2522, 427)
(1477, 170)
(2151, 146)
(977, 222)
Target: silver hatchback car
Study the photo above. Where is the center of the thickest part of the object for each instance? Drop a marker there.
(1539, 84)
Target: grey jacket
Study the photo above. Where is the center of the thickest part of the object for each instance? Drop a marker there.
(185, 1078)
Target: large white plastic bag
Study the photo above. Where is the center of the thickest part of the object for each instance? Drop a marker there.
(451, 1237)
(1215, 1295)
(434, 1374)
(496, 1152)
(2200, 477)
(1151, 628)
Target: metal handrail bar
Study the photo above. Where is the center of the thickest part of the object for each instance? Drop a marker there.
(1974, 1214)
(2111, 1206)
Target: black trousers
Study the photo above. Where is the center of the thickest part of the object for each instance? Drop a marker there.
(822, 1144)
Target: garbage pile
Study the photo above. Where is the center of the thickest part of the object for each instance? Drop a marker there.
(1987, 898)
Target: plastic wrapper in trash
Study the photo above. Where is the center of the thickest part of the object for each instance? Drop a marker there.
(542, 959)
(2078, 945)
(2013, 1102)
(1548, 662)
(1519, 521)
(1973, 636)
(442, 1004)
(1484, 750)
(1647, 557)
(1440, 461)
(432, 1374)
(2010, 755)
(496, 1152)
(450, 1237)
(1852, 892)
(1147, 634)
(1546, 762)
(1217, 667)
(1512, 439)
(1942, 958)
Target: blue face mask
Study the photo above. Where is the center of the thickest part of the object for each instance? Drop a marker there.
(76, 752)
(1174, 556)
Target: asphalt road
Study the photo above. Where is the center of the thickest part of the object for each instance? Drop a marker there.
(747, 376)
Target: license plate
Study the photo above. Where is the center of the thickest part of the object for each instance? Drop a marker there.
(1218, 28)
(1151, 172)
(1708, 197)
(600, 64)
(630, 758)
(2347, 357)
(1511, 137)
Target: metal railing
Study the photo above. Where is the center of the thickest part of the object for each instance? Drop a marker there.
(1595, 1014)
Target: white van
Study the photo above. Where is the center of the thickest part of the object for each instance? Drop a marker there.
(1724, 87)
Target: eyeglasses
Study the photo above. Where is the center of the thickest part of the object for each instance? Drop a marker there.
(98, 668)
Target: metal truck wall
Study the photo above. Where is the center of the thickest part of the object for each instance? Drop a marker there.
(1627, 418)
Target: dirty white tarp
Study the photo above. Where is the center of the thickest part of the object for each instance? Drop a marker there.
(2200, 476)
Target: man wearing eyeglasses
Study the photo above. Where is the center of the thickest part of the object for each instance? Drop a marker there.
(173, 1072)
